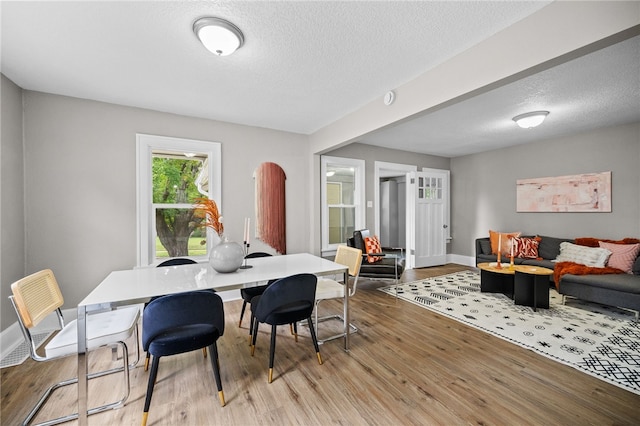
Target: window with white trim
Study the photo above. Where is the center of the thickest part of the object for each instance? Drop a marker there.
(342, 198)
(172, 174)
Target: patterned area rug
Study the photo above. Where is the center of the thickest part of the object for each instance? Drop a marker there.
(598, 340)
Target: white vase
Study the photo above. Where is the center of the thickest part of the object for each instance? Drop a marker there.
(226, 257)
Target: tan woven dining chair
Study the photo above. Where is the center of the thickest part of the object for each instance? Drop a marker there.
(331, 289)
(35, 298)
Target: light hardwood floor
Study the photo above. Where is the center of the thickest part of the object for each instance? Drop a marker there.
(407, 365)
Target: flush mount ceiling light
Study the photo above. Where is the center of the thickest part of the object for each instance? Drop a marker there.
(220, 37)
(530, 119)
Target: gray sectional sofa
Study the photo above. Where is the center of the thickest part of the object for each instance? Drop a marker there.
(548, 249)
(621, 290)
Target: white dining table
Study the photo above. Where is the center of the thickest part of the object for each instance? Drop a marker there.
(127, 287)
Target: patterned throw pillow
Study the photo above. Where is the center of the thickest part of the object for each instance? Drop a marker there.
(526, 247)
(372, 246)
(622, 255)
(584, 255)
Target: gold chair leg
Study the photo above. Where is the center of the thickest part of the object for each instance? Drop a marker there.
(270, 375)
(204, 352)
(291, 329)
(221, 396)
(146, 364)
(144, 418)
(319, 358)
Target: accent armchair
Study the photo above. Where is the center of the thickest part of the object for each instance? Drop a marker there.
(391, 264)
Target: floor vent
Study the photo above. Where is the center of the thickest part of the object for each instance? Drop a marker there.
(21, 352)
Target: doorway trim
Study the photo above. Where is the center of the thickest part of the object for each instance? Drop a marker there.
(383, 169)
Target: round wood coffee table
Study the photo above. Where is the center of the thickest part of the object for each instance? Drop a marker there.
(526, 284)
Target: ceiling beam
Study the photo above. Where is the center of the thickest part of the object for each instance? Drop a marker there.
(555, 34)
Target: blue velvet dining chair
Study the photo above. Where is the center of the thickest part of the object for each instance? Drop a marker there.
(250, 292)
(286, 301)
(179, 323)
(247, 294)
(175, 261)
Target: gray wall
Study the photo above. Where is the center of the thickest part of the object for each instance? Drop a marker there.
(80, 198)
(483, 187)
(370, 154)
(76, 204)
(12, 243)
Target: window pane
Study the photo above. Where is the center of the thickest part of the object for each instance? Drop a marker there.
(341, 224)
(341, 184)
(342, 194)
(340, 200)
(179, 233)
(175, 178)
(334, 193)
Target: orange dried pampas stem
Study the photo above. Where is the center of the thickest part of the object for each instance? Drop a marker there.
(208, 209)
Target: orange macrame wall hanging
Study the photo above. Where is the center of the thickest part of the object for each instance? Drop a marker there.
(270, 206)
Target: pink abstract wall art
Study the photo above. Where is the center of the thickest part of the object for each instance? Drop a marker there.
(589, 192)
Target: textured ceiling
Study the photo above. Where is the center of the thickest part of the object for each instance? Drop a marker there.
(304, 64)
(597, 90)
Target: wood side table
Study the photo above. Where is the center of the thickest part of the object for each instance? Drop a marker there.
(526, 284)
(496, 280)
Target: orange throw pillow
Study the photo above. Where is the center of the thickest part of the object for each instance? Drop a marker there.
(503, 238)
(372, 246)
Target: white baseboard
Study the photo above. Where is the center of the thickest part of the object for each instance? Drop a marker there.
(461, 260)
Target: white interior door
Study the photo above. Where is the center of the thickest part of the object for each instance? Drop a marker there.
(427, 194)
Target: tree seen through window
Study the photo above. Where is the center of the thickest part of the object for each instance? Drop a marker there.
(175, 188)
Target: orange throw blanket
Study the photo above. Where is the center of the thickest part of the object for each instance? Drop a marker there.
(593, 242)
(562, 268)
